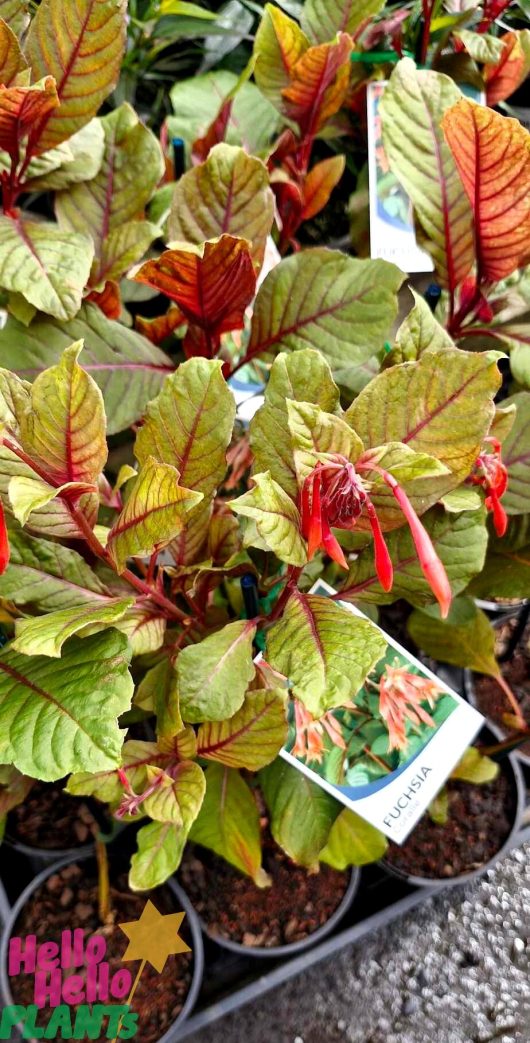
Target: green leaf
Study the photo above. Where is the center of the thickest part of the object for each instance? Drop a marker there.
(475, 767)
(481, 46)
(48, 266)
(460, 540)
(59, 717)
(213, 676)
(353, 842)
(323, 19)
(190, 426)
(64, 427)
(462, 499)
(250, 739)
(516, 456)
(411, 109)
(16, 14)
(304, 377)
(322, 299)
(145, 628)
(439, 808)
(196, 102)
(228, 822)
(49, 576)
(113, 355)
(418, 332)
(82, 47)
(160, 684)
(184, 7)
(324, 650)
(229, 193)
(160, 847)
(178, 796)
(109, 207)
(404, 463)
(153, 514)
(136, 757)
(45, 635)
(301, 812)
(276, 517)
(37, 504)
(314, 432)
(466, 638)
(79, 159)
(506, 571)
(446, 418)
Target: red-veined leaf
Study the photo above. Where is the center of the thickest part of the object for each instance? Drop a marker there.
(492, 154)
(81, 43)
(503, 78)
(411, 108)
(212, 287)
(319, 184)
(319, 83)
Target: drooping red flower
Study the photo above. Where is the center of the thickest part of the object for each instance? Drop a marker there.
(401, 695)
(335, 495)
(491, 474)
(4, 542)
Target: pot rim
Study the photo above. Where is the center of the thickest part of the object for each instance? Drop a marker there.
(48, 855)
(462, 878)
(293, 948)
(193, 921)
(471, 695)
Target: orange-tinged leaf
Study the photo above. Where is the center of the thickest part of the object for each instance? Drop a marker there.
(319, 184)
(12, 61)
(492, 154)
(503, 78)
(21, 108)
(156, 330)
(81, 43)
(211, 287)
(319, 84)
(108, 299)
(278, 45)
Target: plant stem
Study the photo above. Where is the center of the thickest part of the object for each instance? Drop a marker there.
(376, 759)
(293, 575)
(511, 699)
(104, 908)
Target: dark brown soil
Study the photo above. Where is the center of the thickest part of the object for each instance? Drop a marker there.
(50, 819)
(231, 905)
(480, 819)
(68, 900)
(491, 700)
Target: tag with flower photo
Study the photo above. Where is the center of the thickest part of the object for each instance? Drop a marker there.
(387, 753)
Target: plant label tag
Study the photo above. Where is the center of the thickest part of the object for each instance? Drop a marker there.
(392, 235)
(389, 752)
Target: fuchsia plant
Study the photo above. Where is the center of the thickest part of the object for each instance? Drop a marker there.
(383, 463)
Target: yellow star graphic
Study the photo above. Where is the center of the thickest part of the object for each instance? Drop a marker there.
(154, 937)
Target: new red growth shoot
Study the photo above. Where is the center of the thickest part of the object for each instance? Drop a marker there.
(491, 474)
(334, 494)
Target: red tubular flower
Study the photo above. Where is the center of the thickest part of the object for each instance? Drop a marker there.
(491, 474)
(334, 494)
(4, 542)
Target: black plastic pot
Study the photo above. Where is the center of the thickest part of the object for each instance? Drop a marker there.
(40, 857)
(510, 765)
(181, 900)
(497, 610)
(286, 951)
(4, 908)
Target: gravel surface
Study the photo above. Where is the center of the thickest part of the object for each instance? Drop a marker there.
(458, 971)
